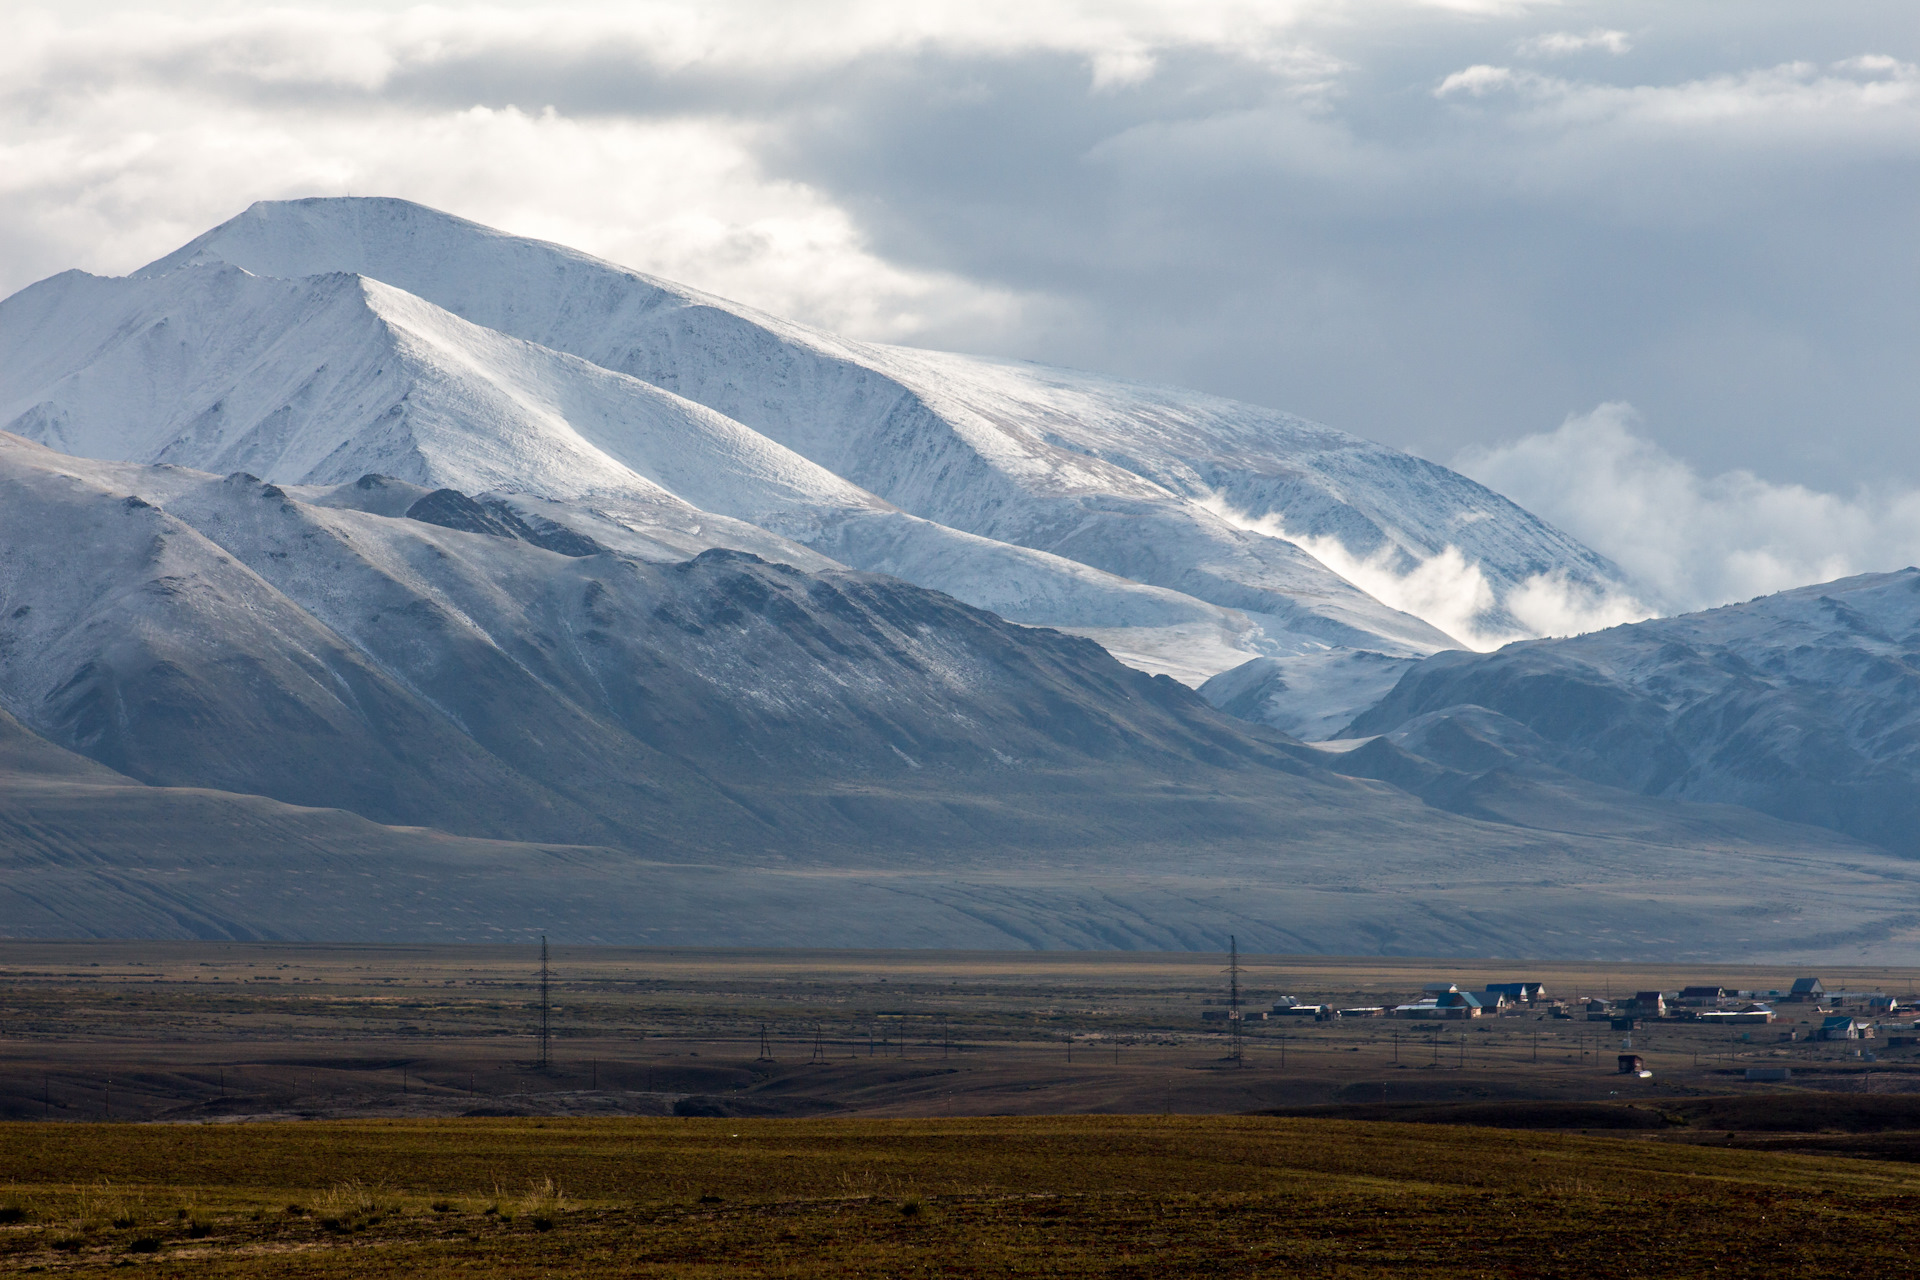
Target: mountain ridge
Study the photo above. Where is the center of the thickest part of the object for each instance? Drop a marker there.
(1073, 464)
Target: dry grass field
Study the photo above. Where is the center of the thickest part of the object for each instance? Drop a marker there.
(375, 1111)
(1058, 1196)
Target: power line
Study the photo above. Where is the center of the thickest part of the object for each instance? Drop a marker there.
(1236, 1050)
(546, 1010)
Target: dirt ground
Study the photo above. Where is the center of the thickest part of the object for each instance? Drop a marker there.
(226, 1031)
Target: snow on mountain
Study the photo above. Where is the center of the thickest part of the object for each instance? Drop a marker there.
(1235, 506)
(321, 379)
(750, 750)
(1804, 705)
(1312, 696)
(191, 630)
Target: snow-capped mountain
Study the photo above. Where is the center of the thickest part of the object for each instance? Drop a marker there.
(217, 694)
(457, 576)
(191, 630)
(1804, 705)
(1184, 531)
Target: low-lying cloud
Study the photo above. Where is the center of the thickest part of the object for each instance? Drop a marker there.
(1453, 593)
(1694, 541)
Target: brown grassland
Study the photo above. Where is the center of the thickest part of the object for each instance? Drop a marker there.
(1007, 1196)
(255, 1109)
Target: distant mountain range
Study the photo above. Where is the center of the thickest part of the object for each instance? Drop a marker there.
(366, 573)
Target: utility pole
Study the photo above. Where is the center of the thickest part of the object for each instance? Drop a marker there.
(766, 1050)
(819, 1049)
(546, 1010)
(1236, 1050)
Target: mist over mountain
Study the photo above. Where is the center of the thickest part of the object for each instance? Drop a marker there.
(485, 580)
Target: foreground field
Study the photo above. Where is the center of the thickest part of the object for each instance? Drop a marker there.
(1079, 1196)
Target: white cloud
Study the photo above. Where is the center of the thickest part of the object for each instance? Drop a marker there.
(1481, 79)
(1452, 592)
(1695, 541)
(123, 175)
(1560, 44)
(1235, 194)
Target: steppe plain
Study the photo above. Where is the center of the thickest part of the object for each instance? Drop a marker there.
(342, 1110)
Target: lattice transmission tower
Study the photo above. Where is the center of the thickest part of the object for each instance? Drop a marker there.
(545, 1060)
(1236, 1047)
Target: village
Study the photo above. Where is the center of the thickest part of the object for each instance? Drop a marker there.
(1832, 1016)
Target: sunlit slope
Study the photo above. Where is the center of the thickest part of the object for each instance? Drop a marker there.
(321, 379)
(1168, 487)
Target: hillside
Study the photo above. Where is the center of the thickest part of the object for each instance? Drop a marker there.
(1804, 705)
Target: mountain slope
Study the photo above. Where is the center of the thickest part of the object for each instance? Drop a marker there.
(189, 630)
(719, 750)
(1804, 705)
(1167, 487)
(321, 379)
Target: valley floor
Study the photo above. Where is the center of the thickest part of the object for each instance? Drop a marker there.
(363, 1111)
(227, 1031)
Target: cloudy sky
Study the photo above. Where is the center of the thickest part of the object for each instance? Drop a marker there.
(1651, 269)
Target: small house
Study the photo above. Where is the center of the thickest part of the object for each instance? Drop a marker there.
(1517, 992)
(1631, 1065)
(1453, 1004)
(1702, 995)
(1844, 1027)
(1723, 1017)
(1807, 991)
(1649, 1004)
(1438, 989)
